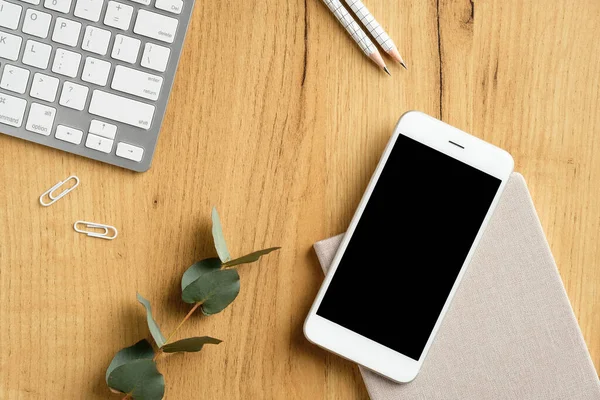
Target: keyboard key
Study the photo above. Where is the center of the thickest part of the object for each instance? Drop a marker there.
(136, 82)
(10, 14)
(73, 95)
(126, 48)
(118, 15)
(130, 152)
(36, 2)
(37, 54)
(103, 129)
(173, 6)
(40, 119)
(155, 26)
(96, 40)
(66, 63)
(62, 6)
(12, 110)
(10, 45)
(95, 71)
(67, 134)
(14, 79)
(121, 109)
(89, 9)
(37, 23)
(155, 57)
(44, 87)
(144, 2)
(98, 143)
(66, 32)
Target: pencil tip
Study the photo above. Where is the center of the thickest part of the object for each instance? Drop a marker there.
(396, 56)
(387, 71)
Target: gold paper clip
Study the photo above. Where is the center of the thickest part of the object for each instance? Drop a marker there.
(92, 225)
(54, 198)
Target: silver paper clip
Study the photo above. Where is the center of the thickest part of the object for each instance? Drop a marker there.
(92, 225)
(54, 198)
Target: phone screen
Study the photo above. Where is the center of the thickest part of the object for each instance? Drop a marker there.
(408, 247)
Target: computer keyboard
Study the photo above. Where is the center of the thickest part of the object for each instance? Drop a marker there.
(91, 77)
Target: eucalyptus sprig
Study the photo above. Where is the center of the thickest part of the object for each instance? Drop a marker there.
(211, 285)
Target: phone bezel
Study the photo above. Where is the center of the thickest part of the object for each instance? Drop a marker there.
(456, 144)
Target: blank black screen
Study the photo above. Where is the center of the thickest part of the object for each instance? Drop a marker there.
(408, 247)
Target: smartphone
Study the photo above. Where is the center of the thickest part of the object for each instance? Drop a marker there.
(408, 246)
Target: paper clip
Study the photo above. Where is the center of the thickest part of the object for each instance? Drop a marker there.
(50, 192)
(100, 235)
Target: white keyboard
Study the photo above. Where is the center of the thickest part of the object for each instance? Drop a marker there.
(91, 77)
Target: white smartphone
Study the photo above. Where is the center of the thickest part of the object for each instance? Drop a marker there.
(408, 246)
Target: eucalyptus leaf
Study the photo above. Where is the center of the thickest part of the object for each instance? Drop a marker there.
(142, 350)
(140, 379)
(215, 290)
(152, 325)
(190, 345)
(250, 258)
(198, 269)
(219, 239)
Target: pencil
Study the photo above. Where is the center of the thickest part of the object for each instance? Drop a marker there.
(375, 29)
(359, 36)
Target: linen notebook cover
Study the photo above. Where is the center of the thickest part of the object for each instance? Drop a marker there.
(510, 332)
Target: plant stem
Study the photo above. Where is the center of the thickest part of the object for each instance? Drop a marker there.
(127, 397)
(183, 321)
(189, 314)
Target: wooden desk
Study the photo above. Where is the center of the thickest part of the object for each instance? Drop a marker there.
(282, 135)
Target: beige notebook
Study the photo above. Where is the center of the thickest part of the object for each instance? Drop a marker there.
(510, 332)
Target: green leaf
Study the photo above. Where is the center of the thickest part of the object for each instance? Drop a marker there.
(140, 379)
(190, 345)
(219, 239)
(250, 258)
(199, 268)
(154, 329)
(215, 290)
(142, 350)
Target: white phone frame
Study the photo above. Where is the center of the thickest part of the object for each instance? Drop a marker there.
(456, 144)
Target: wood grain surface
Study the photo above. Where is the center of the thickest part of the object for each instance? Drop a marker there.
(278, 119)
